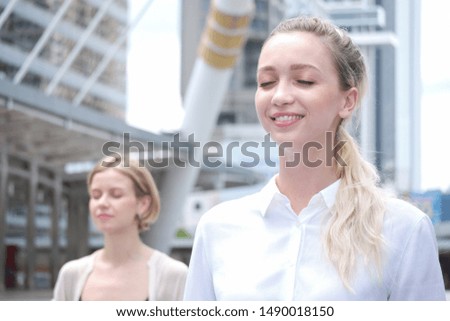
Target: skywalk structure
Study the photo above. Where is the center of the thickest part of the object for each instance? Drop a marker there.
(62, 96)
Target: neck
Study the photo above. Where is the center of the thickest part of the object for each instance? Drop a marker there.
(301, 182)
(119, 248)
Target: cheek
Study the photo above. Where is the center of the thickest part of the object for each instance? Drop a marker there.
(130, 204)
(259, 105)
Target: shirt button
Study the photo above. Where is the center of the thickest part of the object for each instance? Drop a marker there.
(298, 224)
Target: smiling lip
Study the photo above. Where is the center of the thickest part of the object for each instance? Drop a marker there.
(283, 119)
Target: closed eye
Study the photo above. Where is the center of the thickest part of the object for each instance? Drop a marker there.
(266, 84)
(116, 193)
(305, 82)
(96, 194)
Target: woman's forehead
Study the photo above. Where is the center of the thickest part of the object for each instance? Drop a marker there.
(296, 48)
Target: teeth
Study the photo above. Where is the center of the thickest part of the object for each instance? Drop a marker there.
(287, 117)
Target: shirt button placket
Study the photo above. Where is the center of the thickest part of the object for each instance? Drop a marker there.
(296, 245)
(296, 253)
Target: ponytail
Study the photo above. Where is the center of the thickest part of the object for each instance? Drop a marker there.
(354, 229)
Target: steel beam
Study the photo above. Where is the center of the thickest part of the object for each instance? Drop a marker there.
(78, 46)
(15, 57)
(70, 31)
(7, 11)
(84, 116)
(41, 42)
(109, 55)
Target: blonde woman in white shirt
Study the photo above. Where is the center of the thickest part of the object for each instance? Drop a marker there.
(321, 229)
(124, 201)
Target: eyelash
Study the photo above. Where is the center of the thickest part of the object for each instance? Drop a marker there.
(302, 82)
(114, 195)
(305, 82)
(265, 84)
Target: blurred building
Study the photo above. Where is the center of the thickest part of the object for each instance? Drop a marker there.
(62, 96)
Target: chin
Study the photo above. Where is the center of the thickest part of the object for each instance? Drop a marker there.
(285, 139)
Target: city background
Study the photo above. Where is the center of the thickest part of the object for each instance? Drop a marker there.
(76, 74)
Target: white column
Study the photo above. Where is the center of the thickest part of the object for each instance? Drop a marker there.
(223, 38)
(408, 96)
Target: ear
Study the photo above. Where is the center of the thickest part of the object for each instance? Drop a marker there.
(351, 99)
(144, 203)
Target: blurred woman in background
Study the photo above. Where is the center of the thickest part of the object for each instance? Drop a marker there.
(124, 201)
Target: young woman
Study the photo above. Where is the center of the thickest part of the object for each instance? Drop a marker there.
(123, 202)
(321, 229)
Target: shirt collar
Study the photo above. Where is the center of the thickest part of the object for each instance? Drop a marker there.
(329, 193)
(267, 194)
(270, 191)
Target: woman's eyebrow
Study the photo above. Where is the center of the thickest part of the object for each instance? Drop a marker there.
(304, 66)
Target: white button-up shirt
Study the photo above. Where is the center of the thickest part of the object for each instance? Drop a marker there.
(258, 248)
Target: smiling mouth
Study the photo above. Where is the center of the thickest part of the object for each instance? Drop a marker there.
(286, 118)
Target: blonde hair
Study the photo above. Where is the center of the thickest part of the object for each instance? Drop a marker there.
(355, 227)
(143, 182)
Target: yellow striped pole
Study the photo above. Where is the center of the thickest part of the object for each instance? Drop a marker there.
(222, 41)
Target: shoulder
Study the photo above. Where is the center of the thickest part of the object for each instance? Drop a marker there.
(403, 211)
(168, 265)
(403, 220)
(78, 266)
(71, 277)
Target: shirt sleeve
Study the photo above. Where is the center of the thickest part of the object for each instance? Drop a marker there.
(419, 276)
(58, 290)
(66, 283)
(199, 283)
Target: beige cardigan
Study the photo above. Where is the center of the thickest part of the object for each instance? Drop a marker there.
(167, 278)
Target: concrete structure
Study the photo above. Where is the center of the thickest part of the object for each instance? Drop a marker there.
(62, 97)
(223, 38)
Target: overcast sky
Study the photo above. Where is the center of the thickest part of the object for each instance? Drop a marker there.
(154, 76)
(154, 101)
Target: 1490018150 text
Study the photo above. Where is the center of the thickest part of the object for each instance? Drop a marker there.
(300, 311)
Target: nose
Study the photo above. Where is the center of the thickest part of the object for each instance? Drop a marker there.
(283, 94)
